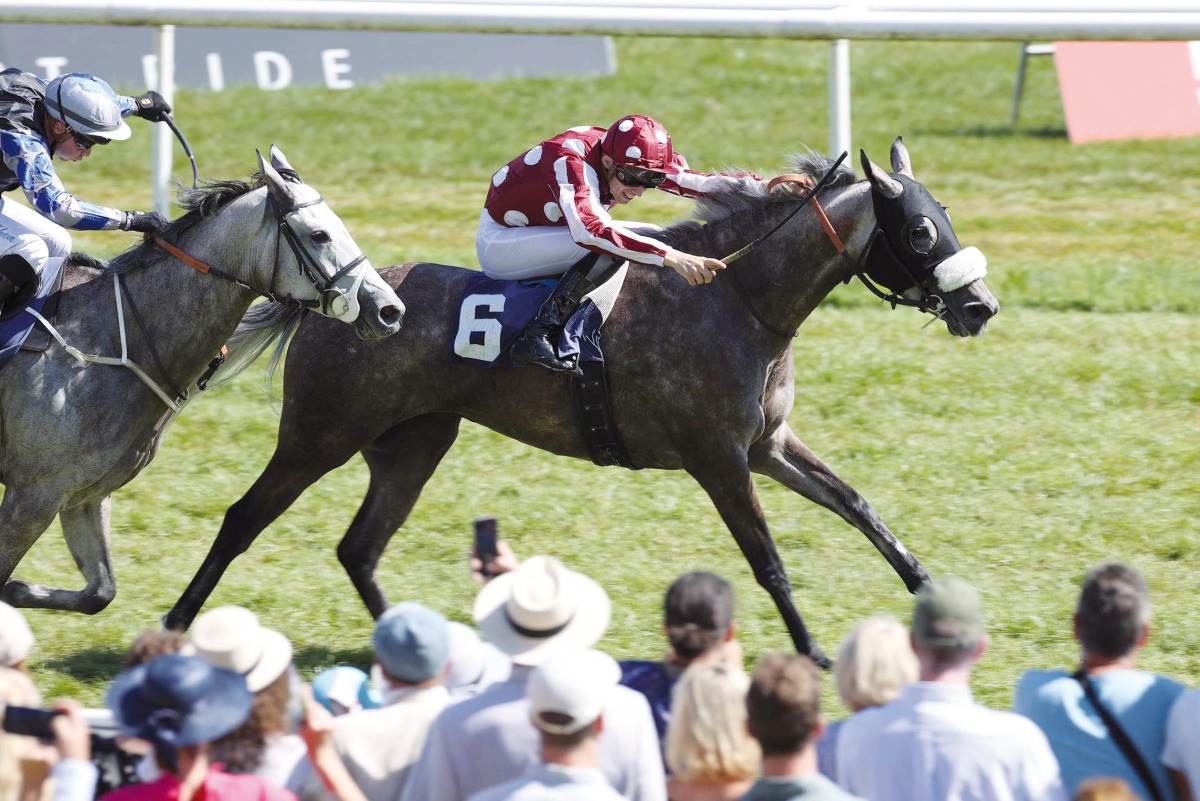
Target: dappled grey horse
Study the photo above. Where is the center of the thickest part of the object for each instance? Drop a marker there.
(713, 405)
(72, 432)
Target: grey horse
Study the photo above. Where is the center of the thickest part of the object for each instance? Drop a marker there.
(73, 432)
(715, 406)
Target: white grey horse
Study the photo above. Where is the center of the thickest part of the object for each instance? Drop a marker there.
(73, 431)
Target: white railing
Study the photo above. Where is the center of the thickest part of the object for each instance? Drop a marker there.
(1018, 20)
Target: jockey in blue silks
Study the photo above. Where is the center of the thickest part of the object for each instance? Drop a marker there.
(65, 117)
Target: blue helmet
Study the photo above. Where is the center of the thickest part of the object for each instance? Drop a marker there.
(87, 105)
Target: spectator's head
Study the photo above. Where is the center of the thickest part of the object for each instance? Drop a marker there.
(474, 664)
(153, 643)
(412, 644)
(707, 738)
(947, 626)
(178, 701)
(567, 694)
(342, 689)
(783, 704)
(874, 662)
(698, 614)
(15, 638)
(1104, 789)
(540, 607)
(1113, 616)
(231, 637)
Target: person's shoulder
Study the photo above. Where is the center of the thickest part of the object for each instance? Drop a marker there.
(642, 674)
(1045, 684)
(498, 792)
(221, 786)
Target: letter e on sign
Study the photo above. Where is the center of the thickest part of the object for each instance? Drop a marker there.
(333, 68)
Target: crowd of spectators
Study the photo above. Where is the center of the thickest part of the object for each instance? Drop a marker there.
(524, 707)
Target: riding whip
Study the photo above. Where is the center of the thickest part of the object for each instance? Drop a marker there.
(186, 148)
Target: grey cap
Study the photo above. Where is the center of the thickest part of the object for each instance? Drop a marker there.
(948, 614)
(412, 642)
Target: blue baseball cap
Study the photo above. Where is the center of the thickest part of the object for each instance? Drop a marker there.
(346, 686)
(411, 642)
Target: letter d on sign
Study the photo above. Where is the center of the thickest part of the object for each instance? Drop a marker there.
(264, 60)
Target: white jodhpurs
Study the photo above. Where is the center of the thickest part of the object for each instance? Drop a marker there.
(532, 251)
(26, 233)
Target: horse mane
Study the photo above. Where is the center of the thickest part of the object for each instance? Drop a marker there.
(197, 204)
(747, 195)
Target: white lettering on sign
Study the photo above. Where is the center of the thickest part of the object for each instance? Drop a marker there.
(333, 68)
(216, 74)
(52, 66)
(469, 323)
(267, 62)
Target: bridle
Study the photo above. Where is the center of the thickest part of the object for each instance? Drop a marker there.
(927, 302)
(338, 293)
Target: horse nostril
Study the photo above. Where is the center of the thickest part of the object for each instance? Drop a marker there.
(391, 314)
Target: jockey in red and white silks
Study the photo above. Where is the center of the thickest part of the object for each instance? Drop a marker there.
(551, 203)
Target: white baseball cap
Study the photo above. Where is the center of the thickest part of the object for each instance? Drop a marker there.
(573, 685)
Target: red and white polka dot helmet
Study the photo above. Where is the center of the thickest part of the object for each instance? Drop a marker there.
(639, 141)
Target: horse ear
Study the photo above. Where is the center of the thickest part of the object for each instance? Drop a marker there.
(883, 183)
(900, 161)
(276, 185)
(280, 162)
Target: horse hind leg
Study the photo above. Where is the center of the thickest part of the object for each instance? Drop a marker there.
(401, 461)
(786, 459)
(24, 515)
(724, 473)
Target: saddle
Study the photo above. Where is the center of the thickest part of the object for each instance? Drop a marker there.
(492, 313)
(19, 331)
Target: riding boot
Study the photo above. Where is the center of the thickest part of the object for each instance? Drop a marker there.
(538, 343)
(7, 289)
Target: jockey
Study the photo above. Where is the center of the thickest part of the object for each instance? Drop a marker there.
(546, 214)
(66, 117)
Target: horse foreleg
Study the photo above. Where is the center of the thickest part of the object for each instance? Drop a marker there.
(724, 473)
(25, 513)
(401, 462)
(284, 480)
(783, 457)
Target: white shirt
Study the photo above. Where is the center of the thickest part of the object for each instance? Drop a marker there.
(553, 783)
(936, 744)
(486, 740)
(1182, 751)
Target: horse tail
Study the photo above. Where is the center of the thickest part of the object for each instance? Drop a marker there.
(263, 325)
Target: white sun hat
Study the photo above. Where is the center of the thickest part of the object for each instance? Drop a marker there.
(539, 607)
(231, 637)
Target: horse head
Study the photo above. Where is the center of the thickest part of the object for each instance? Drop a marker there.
(916, 254)
(328, 272)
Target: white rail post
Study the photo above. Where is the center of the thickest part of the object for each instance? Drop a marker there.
(160, 175)
(839, 96)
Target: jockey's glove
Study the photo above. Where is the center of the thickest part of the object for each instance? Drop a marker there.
(147, 222)
(152, 106)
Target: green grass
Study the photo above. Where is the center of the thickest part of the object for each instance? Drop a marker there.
(1064, 437)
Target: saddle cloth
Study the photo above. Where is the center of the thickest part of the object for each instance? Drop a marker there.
(492, 313)
(15, 330)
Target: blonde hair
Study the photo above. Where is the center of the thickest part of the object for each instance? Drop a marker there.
(17, 690)
(874, 662)
(707, 739)
(1104, 789)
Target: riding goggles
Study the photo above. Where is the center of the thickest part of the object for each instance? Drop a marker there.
(86, 142)
(634, 176)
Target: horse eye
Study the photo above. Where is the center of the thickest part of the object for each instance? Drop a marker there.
(320, 237)
(922, 235)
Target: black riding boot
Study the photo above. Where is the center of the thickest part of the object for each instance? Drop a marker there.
(538, 343)
(7, 289)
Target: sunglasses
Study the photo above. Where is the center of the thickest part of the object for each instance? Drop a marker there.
(632, 176)
(87, 142)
